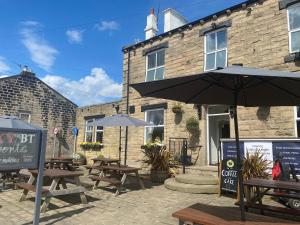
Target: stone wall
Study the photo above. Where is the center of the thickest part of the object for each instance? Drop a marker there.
(110, 134)
(257, 37)
(48, 109)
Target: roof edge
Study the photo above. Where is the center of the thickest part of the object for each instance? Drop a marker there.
(188, 25)
(35, 77)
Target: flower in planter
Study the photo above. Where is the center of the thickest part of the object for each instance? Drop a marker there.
(91, 145)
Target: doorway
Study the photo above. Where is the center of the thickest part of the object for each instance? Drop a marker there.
(218, 127)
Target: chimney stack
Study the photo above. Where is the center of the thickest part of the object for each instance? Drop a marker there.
(172, 20)
(151, 28)
(27, 72)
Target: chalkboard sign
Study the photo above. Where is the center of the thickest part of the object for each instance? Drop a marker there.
(19, 149)
(229, 175)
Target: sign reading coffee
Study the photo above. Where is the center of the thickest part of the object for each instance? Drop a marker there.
(19, 149)
(229, 176)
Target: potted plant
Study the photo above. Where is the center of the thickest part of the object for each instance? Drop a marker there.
(79, 159)
(254, 166)
(192, 125)
(158, 158)
(177, 108)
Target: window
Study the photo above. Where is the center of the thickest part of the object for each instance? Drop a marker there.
(99, 134)
(156, 130)
(88, 137)
(294, 27)
(298, 121)
(155, 65)
(26, 117)
(93, 133)
(215, 50)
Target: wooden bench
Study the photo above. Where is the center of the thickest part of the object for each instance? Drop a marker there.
(282, 210)
(111, 180)
(221, 215)
(29, 187)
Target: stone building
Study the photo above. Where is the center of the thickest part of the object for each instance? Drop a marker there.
(108, 136)
(29, 98)
(256, 33)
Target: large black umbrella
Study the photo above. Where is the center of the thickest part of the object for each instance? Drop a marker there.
(235, 85)
(119, 120)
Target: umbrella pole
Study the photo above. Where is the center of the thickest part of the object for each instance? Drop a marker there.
(120, 148)
(239, 165)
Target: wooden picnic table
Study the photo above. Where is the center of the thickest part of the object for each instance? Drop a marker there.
(102, 162)
(222, 215)
(117, 180)
(59, 164)
(57, 177)
(277, 188)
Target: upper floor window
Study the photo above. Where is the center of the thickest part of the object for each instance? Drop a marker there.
(26, 117)
(294, 27)
(155, 65)
(156, 130)
(215, 50)
(93, 133)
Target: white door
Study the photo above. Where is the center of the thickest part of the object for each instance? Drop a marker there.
(217, 127)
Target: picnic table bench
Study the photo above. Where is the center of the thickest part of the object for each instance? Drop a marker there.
(201, 214)
(97, 162)
(116, 181)
(58, 177)
(277, 188)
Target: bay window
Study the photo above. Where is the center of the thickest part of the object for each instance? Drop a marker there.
(215, 50)
(155, 131)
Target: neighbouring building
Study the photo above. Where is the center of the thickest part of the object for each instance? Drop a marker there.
(108, 136)
(33, 101)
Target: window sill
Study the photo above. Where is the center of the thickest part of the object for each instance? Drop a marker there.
(292, 57)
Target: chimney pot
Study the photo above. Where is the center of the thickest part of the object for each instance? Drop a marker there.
(151, 27)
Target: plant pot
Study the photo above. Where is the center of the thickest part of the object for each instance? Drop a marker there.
(159, 176)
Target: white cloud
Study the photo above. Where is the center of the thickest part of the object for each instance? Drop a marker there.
(4, 67)
(95, 88)
(107, 25)
(41, 52)
(74, 36)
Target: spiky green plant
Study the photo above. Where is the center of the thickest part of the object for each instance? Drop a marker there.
(255, 166)
(157, 156)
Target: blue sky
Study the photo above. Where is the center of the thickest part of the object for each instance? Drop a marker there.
(75, 46)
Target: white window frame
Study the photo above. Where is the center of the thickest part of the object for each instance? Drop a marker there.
(157, 67)
(289, 30)
(219, 50)
(296, 120)
(98, 131)
(29, 116)
(88, 131)
(145, 128)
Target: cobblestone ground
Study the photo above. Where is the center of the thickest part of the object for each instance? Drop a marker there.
(143, 207)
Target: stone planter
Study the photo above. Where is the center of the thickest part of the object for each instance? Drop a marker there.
(159, 176)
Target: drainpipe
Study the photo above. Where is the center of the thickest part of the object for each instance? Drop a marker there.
(127, 105)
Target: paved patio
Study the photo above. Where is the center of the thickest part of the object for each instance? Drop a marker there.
(144, 207)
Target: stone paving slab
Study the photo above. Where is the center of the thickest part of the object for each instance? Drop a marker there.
(142, 207)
